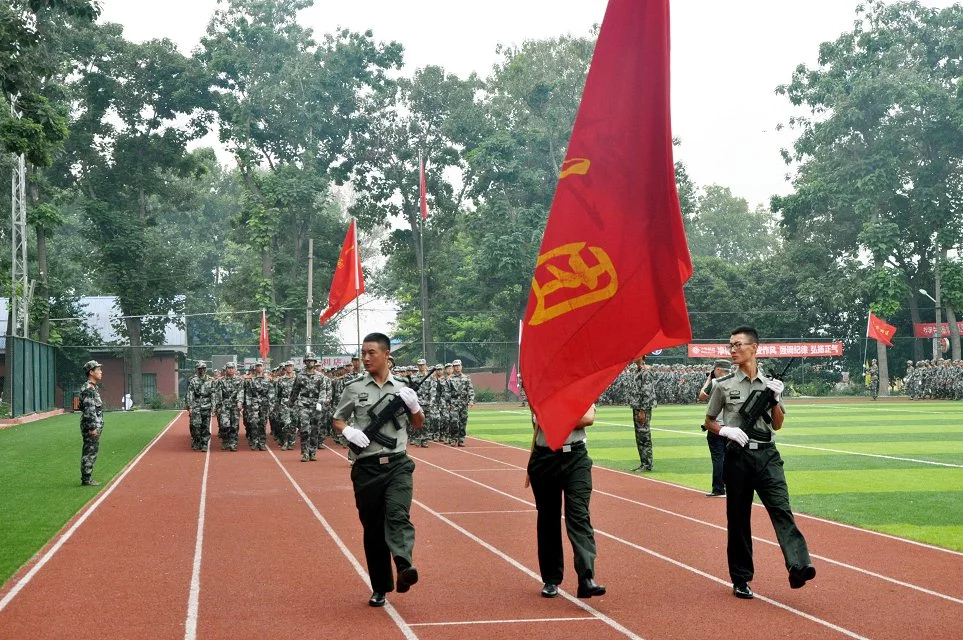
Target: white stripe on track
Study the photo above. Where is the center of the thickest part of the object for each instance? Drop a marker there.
(471, 622)
(403, 626)
(25, 580)
(194, 596)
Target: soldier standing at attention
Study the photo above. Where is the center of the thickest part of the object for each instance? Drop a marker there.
(91, 409)
(310, 392)
(462, 398)
(259, 399)
(382, 477)
(753, 465)
(200, 393)
(642, 399)
(874, 379)
(228, 398)
(283, 386)
(717, 443)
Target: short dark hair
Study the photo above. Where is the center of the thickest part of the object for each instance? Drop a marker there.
(380, 338)
(749, 331)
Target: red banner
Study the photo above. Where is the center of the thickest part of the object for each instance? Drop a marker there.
(608, 281)
(773, 350)
(928, 329)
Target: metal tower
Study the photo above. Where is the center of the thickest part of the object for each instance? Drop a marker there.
(20, 295)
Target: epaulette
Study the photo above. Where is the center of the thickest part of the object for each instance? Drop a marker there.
(728, 376)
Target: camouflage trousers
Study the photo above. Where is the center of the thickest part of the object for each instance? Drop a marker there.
(289, 429)
(255, 421)
(88, 455)
(643, 438)
(228, 426)
(200, 428)
(874, 387)
(309, 424)
(461, 422)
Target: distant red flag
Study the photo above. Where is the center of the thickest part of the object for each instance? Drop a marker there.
(347, 283)
(424, 191)
(878, 329)
(264, 348)
(513, 381)
(608, 281)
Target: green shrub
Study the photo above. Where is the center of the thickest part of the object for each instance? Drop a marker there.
(487, 395)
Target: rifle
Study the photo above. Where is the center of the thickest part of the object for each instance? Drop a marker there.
(758, 405)
(388, 409)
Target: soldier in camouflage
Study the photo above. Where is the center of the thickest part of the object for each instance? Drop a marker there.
(462, 398)
(227, 396)
(259, 396)
(874, 379)
(200, 396)
(310, 395)
(283, 386)
(91, 409)
(642, 401)
(423, 435)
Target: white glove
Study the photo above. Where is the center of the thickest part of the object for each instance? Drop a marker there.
(356, 437)
(777, 387)
(319, 407)
(411, 399)
(736, 435)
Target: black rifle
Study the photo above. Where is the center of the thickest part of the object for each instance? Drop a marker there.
(389, 408)
(758, 405)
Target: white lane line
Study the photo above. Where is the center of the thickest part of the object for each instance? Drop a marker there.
(470, 622)
(403, 626)
(473, 513)
(888, 536)
(773, 543)
(25, 580)
(518, 565)
(505, 468)
(861, 408)
(194, 597)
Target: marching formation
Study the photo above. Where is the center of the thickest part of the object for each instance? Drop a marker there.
(286, 404)
(931, 379)
(670, 384)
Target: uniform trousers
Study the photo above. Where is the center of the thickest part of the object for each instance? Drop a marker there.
(88, 455)
(383, 487)
(227, 425)
(717, 452)
(200, 422)
(760, 471)
(643, 438)
(558, 477)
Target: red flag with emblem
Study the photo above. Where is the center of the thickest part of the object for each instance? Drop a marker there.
(880, 330)
(347, 283)
(264, 346)
(608, 281)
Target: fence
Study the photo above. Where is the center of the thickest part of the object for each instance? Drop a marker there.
(31, 368)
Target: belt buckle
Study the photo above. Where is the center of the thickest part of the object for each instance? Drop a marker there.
(753, 445)
(383, 460)
(566, 448)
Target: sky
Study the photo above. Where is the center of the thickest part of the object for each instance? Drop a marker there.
(727, 60)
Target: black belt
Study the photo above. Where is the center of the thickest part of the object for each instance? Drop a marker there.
(381, 458)
(566, 448)
(752, 446)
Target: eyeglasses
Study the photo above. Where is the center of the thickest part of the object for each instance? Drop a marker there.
(734, 346)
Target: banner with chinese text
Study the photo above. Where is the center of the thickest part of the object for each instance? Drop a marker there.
(773, 350)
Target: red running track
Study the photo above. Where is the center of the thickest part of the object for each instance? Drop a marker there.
(258, 544)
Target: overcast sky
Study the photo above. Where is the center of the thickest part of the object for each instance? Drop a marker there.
(727, 59)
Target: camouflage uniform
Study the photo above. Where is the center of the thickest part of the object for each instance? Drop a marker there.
(642, 401)
(91, 425)
(227, 395)
(874, 380)
(462, 395)
(200, 392)
(311, 388)
(289, 431)
(259, 394)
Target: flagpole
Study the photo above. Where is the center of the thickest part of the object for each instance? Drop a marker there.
(357, 285)
(421, 251)
(865, 345)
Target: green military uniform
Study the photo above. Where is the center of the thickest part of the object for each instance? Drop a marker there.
(200, 396)
(557, 475)
(383, 484)
(642, 400)
(756, 467)
(91, 425)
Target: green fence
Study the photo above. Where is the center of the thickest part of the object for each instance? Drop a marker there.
(32, 370)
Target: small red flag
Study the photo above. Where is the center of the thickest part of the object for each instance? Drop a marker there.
(424, 191)
(513, 381)
(264, 348)
(879, 329)
(347, 283)
(607, 286)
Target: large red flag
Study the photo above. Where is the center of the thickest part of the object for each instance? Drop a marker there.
(608, 281)
(347, 283)
(424, 191)
(878, 329)
(264, 347)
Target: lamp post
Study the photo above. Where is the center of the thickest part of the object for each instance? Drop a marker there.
(938, 332)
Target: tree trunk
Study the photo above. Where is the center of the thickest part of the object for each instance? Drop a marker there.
(954, 332)
(136, 360)
(915, 317)
(883, 368)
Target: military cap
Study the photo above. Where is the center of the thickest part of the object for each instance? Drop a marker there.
(259, 363)
(447, 364)
(90, 365)
(310, 356)
(200, 365)
(722, 364)
(231, 365)
(456, 363)
(422, 361)
(287, 363)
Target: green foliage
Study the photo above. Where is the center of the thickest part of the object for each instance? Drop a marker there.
(722, 226)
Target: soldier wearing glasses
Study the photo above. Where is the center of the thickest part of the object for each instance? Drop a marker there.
(753, 464)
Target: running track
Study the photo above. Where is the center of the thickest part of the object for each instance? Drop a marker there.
(258, 544)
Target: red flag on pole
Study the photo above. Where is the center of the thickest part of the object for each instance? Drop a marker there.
(424, 191)
(347, 283)
(513, 381)
(264, 347)
(878, 329)
(608, 281)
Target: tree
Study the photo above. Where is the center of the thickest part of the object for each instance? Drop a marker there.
(722, 226)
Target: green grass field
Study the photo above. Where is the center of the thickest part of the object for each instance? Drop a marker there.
(891, 467)
(40, 475)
